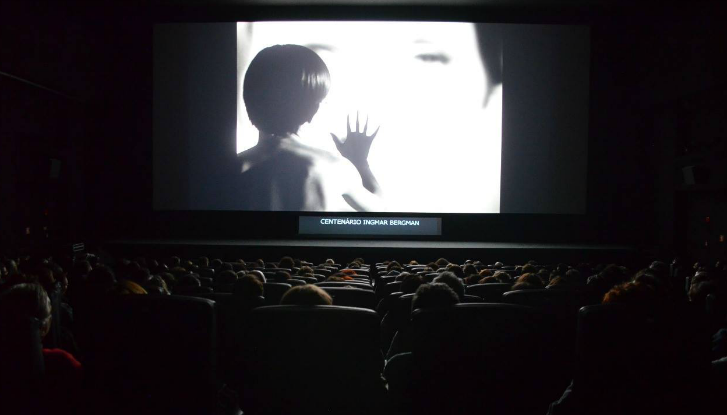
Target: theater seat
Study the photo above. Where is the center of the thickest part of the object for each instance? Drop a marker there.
(430, 276)
(312, 359)
(397, 318)
(157, 352)
(192, 290)
(640, 361)
(490, 293)
(308, 280)
(571, 299)
(387, 289)
(21, 367)
(479, 358)
(352, 297)
(225, 300)
(386, 280)
(345, 284)
(207, 273)
(274, 270)
(224, 288)
(294, 282)
(232, 312)
(53, 338)
(470, 299)
(563, 305)
(273, 292)
(323, 271)
(385, 303)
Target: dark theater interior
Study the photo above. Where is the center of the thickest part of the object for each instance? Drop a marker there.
(389, 207)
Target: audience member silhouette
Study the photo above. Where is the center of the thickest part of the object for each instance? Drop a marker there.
(454, 282)
(306, 295)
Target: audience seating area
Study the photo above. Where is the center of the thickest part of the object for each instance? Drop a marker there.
(194, 336)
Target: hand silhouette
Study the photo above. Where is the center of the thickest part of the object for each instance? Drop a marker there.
(357, 144)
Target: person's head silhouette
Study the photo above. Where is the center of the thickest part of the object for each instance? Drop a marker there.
(283, 88)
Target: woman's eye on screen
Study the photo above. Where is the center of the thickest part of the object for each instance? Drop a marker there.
(433, 58)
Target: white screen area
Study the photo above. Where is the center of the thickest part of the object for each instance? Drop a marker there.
(424, 84)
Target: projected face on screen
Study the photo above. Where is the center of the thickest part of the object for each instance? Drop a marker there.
(423, 83)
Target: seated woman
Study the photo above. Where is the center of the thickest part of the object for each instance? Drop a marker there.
(283, 89)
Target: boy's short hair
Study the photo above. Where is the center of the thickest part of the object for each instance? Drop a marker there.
(283, 86)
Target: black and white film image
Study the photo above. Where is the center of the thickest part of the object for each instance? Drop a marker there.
(368, 116)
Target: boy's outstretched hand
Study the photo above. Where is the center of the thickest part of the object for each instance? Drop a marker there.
(357, 144)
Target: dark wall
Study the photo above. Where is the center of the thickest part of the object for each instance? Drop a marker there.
(70, 77)
(681, 99)
(103, 55)
(44, 122)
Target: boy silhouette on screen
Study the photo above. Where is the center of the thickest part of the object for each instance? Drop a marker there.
(282, 90)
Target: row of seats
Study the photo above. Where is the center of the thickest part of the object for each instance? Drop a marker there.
(288, 359)
(360, 294)
(498, 351)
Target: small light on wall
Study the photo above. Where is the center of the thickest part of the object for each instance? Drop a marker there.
(721, 238)
(706, 219)
(27, 231)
